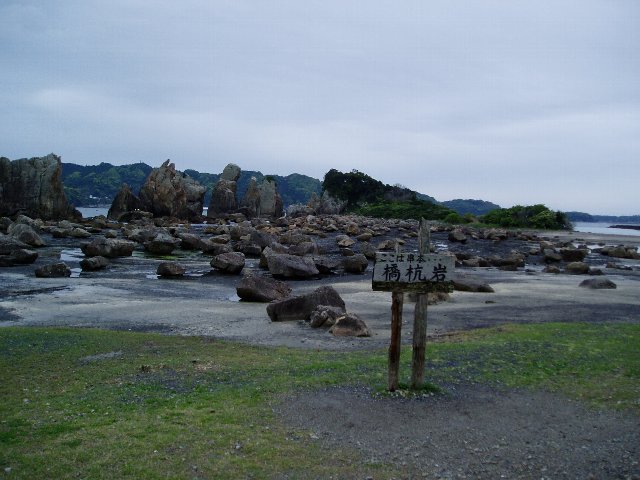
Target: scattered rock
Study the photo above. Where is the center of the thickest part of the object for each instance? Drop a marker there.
(325, 316)
(162, 244)
(26, 234)
(53, 270)
(598, 283)
(577, 268)
(350, 325)
(91, 264)
(466, 284)
(108, 247)
(170, 270)
(356, 263)
(573, 254)
(262, 289)
(232, 262)
(291, 266)
(301, 307)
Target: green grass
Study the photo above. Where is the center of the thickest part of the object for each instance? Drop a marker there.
(185, 407)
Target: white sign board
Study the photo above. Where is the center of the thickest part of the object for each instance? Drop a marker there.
(412, 271)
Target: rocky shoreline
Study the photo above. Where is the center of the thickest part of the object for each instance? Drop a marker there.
(107, 274)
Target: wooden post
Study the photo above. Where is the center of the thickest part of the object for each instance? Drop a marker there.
(420, 317)
(397, 299)
(396, 337)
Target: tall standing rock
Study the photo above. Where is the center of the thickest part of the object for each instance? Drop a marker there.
(167, 192)
(34, 187)
(270, 201)
(124, 201)
(223, 197)
(250, 203)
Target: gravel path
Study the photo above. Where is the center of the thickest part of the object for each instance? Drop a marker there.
(473, 432)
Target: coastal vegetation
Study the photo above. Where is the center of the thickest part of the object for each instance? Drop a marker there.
(532, 216)
(103, 404)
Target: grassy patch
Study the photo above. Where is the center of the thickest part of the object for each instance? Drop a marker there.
(96, 404)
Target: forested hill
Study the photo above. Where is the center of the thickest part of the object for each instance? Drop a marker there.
(586, 217)
(98, 184)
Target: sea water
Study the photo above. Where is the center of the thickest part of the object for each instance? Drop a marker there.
(604, 228)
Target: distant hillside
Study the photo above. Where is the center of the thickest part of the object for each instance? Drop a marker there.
(92, 185)
(474, 207)
(586, 217)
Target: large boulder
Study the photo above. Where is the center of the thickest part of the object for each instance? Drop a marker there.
(34, 187)
(262, 289)
(108, 247)
(232, 262)
(25, 233)
(231, 172)
(291, 266)
(170, 270)
(301, 307)
(162, 244)
(14, 252)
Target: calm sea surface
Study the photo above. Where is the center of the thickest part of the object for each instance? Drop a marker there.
(601, 227)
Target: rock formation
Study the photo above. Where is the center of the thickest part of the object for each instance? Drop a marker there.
(223, 197)
(262, 200)
(166, 193)
(33, 187)
(169, 193)
(124, 201)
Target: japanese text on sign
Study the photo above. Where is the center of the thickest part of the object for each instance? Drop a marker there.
(393, 269)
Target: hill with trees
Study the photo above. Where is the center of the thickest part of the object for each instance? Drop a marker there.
(94, 185)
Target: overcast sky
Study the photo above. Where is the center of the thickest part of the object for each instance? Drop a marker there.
(515, 102)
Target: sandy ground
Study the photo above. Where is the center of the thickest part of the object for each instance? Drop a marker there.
(129, 296)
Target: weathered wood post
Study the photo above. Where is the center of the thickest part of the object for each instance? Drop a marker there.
(420, 316)
(396, 339)
(411, 272)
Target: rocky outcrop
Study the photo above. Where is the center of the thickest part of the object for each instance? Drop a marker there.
(124, 201)
(34, 187)
(250, 203)
(223, 198)
(169, 193)
(270, 201)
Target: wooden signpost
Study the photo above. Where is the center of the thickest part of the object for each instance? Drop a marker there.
(422, 273)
